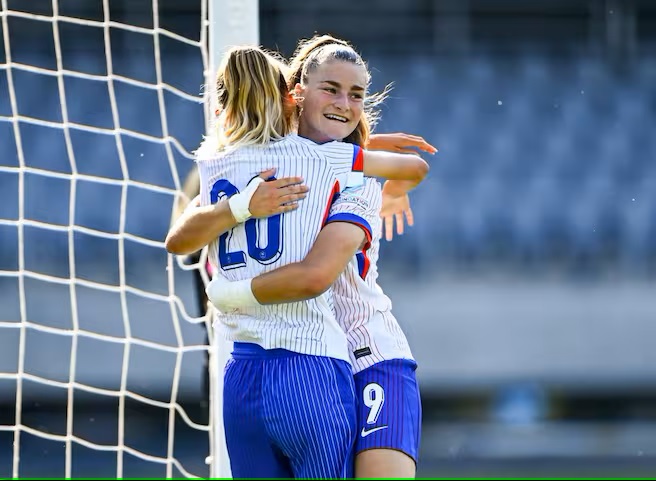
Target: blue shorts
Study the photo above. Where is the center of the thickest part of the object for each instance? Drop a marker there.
(389, 407)
(288, 415)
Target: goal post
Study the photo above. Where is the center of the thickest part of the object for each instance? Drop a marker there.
(231, 22)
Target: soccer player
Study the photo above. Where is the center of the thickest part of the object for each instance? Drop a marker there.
(384, 452)
(289, 406)
(389, 411)
(269, 198)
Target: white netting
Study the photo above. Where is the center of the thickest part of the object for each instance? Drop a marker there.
(102, 340)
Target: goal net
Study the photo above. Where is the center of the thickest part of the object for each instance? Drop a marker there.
(103, 339)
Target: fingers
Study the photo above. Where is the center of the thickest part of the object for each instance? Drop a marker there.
(421, 144)
(267, 174)
(398, 217)
(405, 150)
(287, 208)
(285, 181)
(388, 223)
(292, 192)
(292, 197)
(285, 199)
(409, 217)
(389, 219)
(278, 183)
(426, 147)
(416, 141)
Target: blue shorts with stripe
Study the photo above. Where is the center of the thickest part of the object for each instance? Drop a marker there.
(288, 414)
(389, 407)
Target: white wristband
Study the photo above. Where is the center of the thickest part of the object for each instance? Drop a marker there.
(239, 203)
(227, 295)
(242, 294)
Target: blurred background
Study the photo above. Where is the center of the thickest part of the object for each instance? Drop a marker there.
(526, 286)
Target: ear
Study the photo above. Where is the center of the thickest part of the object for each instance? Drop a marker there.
(298, 94)
(290, 104)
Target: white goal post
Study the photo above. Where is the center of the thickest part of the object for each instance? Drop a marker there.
(93, 311)
(232, 22)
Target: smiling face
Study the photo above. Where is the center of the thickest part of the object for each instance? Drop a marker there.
(331, 100)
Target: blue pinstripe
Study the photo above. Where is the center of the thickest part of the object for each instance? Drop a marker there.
(399, 419)
(288, 414)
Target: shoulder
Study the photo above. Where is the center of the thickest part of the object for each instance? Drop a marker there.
(366, 195)
(286, 143)
(342, 151)
(370, 186)
(208, 149)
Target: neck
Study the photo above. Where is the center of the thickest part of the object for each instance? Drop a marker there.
(315, 139)
(315, 135)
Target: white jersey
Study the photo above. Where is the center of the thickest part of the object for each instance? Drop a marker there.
(362, 308)
(262, 245)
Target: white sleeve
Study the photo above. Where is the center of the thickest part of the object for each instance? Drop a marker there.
(350, 156)
(359, 206)
(203, 179)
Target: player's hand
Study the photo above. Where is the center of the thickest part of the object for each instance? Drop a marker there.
(400, 142)
(277, 196)
(193, 203)
(217, 293)
(395, 208)
(230, 297)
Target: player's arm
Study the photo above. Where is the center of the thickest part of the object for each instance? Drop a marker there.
(397, 166)
(411, 168)
(399, 142)
(200, 225)
(335, 246)
(347, 231)
(189, 194)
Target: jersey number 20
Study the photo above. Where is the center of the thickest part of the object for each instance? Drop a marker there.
(264, 255)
